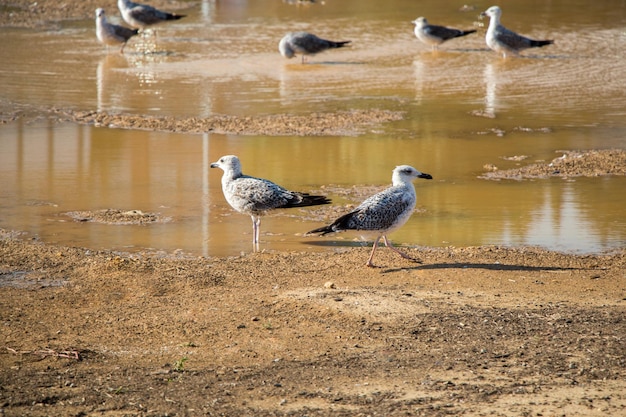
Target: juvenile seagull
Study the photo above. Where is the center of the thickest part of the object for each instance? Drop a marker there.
(110, 34)
(505, 41)
(384, 212)
(142, 16)
(255, 196)
(436, 35)
(305, 44)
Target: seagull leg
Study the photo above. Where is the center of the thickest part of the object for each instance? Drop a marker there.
(256, 223)
(404, 255)
(369, 261)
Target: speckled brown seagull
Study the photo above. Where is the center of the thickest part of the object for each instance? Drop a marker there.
(505, 41)
(256, 196)
(384, 212)
(436, 35)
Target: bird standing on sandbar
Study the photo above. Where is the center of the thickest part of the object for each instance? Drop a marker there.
(436, 35)
(142, 16)
(505, 41)
(384, 212)
(256, 196)
(304, 43)
(111, 34)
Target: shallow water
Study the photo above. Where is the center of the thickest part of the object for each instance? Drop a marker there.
(222, 59)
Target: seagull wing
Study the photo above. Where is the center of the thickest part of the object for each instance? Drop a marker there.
(512, 39)
(249, 194)
(442, 32)
(124, 32)
(381, 211)
(148, 15)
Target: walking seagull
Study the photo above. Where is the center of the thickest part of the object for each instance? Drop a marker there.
(384, 212)
(505, 41)
(111, 34)
(256, 196)
(305, 44)
(436, 35)
(142, 16)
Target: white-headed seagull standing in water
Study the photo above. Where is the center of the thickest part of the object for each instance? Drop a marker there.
(256, 196)
(111, 34)
(505, 41)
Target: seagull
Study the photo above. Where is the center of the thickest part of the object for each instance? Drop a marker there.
(505, 41)
(110, 34)
(436, 35)
(384, 212)
(256, 196)
(305, 44)
(142, 16)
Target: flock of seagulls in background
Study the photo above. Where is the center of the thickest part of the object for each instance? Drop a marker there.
(141, 16)
(379, 214)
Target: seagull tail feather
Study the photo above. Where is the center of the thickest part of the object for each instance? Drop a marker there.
(306, 200)
(466, 32)
(539, 44)
(339, 44)
(173, 16)
(337, 226)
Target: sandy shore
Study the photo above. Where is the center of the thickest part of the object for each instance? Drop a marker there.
(472, 331)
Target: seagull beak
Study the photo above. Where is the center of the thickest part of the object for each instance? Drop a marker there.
(425, 176)
(214, 165)
(482, 15)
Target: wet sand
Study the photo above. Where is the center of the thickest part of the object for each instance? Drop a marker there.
(468, 331)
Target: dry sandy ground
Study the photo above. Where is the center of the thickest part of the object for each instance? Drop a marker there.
(481, 331)
(472, 331)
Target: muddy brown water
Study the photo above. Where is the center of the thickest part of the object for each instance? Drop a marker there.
(463, 107)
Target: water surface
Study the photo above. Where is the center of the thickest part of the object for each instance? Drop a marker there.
(463, 107)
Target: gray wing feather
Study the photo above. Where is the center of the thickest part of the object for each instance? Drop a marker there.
(124, 32)
(148, 15)
(442, 32)
(512, 39)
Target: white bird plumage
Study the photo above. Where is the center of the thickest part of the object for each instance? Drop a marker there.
(505, 41)
(383, 212)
